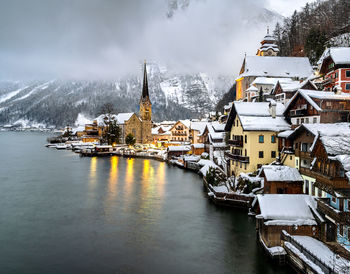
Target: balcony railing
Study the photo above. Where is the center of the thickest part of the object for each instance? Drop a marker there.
(179, 134)
(337, 215)
(239, 158)
(236, 143)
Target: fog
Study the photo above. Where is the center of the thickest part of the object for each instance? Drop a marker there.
(104, 39)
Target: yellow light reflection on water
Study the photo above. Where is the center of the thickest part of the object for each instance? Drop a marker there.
(93, 171)
(113, 176)
(161, 179)
(129, 177)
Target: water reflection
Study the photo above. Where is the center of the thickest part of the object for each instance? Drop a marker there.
(129, 179)
(93, 171)
(113, 177)
(161, 179)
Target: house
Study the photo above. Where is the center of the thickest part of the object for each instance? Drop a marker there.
(296, 68)
(284, 91)
(330, 169)
(177, 151)
(312, 106)
(294, 213)
(280, 179)
(334, 66)
(196, 132)
(91, 133)
(285, 148)
(215, 145)
(161, 134)
(180, 131)
(253, 129)
(317, 156)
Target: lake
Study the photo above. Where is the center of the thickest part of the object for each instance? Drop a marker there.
(61, 213)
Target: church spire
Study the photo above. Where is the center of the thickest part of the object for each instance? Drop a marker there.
(145, 83)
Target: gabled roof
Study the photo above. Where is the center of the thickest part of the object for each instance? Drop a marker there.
(339, 55)
(257, 116)
(275, 173)
(293, 86)
(310, 95)
(270, 81)
(186, 123)
(286, 206)
(267, 66)
(199, 126)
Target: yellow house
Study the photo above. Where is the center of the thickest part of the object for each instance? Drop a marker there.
(253, 131)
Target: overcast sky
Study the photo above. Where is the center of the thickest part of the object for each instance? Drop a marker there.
(107, 39)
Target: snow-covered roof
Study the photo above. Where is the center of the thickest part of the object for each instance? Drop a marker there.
(281, 173)
(218, 126)
(309, 95)
(285, 134)
(214, 135)
(271, 81)
(179, 148)
(257, 108)
(120, 118)
(199, 126)
(276, 66)
(340, 55)
(286, 206)
(264, 123)
(252, 88)
(257, 116)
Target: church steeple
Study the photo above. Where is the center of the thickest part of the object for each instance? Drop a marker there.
(268, 45)
(145, 102)
(145, 83)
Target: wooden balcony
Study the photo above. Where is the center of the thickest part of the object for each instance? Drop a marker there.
(235, 157)
(236, 143)
(323, 205)
(327, 181)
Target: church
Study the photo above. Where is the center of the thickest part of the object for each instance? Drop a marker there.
(268, 66)
(140, 126)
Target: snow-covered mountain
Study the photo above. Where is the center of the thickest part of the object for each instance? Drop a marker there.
(57, 102)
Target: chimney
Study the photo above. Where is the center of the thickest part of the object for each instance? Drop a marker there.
(272, 108)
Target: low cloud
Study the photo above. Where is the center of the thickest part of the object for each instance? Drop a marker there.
(108, 39)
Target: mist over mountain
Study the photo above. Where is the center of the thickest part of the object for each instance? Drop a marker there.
(89, 54)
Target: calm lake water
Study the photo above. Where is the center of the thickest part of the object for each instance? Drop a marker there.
(60, 213)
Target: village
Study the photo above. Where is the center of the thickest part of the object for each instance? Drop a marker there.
(280, 151)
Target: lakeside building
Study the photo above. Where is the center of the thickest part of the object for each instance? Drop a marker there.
(253, 129)
(294, 213)
(267, 64)
(279, 179)
(313, 106)
(334, 67)
(140, 126)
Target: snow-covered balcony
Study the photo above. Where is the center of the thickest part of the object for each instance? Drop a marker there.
(236, 143)
(324, 206)
(236, 157)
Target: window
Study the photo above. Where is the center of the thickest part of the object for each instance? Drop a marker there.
(306, 187)
(347, 86)
(245, 166)
(304, 147)
(334, 199)
(319, 193)
(336, 75)
(245, 138)
(314, 120)
(273, 139)
(273, 154)
(298, 121)
(306, 120)
(347, 74)
(261, 154)
(290, 158)
(341, 230)
(302, 120)
(296, 145)
(261, 138)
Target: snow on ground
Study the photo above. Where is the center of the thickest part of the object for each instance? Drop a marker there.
(11, 94)
(40, 87)
(323, 253)
(82, 120)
